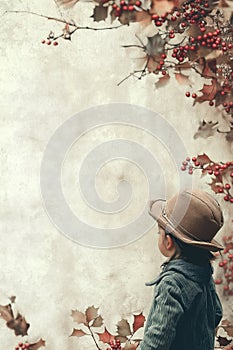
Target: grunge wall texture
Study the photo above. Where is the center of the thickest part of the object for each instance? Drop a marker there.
(41, 87)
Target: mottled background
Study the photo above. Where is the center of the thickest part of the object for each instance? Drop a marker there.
(41, 88)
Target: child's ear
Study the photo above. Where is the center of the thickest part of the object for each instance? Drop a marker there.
(169, 242)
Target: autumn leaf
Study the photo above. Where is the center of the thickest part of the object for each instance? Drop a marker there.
(19, 325)
(228, 327)
(162, 81)
(162, 6)
(91, 313)
(100, 13)
(182, 79)
(155, 45)
(37, 345)
(223, 341)
(78, 333)
(123, 328)
(138, 322)
(126, 17)
(206, 129)
(105, 337)
(78, 317)
(97, 322)
(208, 91)
(6, 312)
(203, 159)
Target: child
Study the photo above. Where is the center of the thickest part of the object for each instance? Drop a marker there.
(185, 309)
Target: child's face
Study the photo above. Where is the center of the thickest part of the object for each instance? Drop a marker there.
(165, 243)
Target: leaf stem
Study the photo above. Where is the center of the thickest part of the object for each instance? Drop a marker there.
(93, 337)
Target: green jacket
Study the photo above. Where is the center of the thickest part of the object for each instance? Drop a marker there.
(185, 309)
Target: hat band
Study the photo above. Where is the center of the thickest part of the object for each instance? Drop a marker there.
(178, 226)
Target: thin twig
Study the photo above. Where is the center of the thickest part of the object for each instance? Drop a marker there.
(93, 337)
(72, 24)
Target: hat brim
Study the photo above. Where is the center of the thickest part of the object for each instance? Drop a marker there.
(156, 209)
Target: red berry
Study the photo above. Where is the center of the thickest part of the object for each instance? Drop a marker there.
(138, 3)
(194, 95)
(218, 281)
(155, 17)
(55, 43)
(210, 172)
(226, 198)
(221, 264)
(48, 42)
(211, 103)
(227, 186)
(187, 94)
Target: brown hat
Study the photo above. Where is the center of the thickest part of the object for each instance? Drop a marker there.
(194, 217)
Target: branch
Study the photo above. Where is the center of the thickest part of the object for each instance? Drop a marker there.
(64, 21)
(93, 337)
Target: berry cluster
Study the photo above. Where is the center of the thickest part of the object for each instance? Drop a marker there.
(220, 171)
(125, 6)
(227, 265)
(50, 40)
(192, 12)
(23, 346)
(115, 345)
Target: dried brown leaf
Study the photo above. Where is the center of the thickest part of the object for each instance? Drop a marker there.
(206, 129)
(79, 317)
(37, 345)
(162, 81)
(19, 325)
(162, 6)
(155, 45)
(6, 312)
(127, 16)
(91, 313)
(98, 322)
(223, 341)
(182, 79)
(203, 159)
(77, 333)
(100, 13)
(123, 328)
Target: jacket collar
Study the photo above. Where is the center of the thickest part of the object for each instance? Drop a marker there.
(200, 274)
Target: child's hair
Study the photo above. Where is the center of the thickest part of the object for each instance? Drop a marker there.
(187, 252)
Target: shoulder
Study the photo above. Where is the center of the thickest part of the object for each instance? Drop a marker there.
(182, 288)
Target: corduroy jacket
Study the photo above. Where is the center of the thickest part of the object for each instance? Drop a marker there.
(185, 309)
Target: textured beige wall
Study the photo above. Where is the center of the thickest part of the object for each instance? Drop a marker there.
(41, 88)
